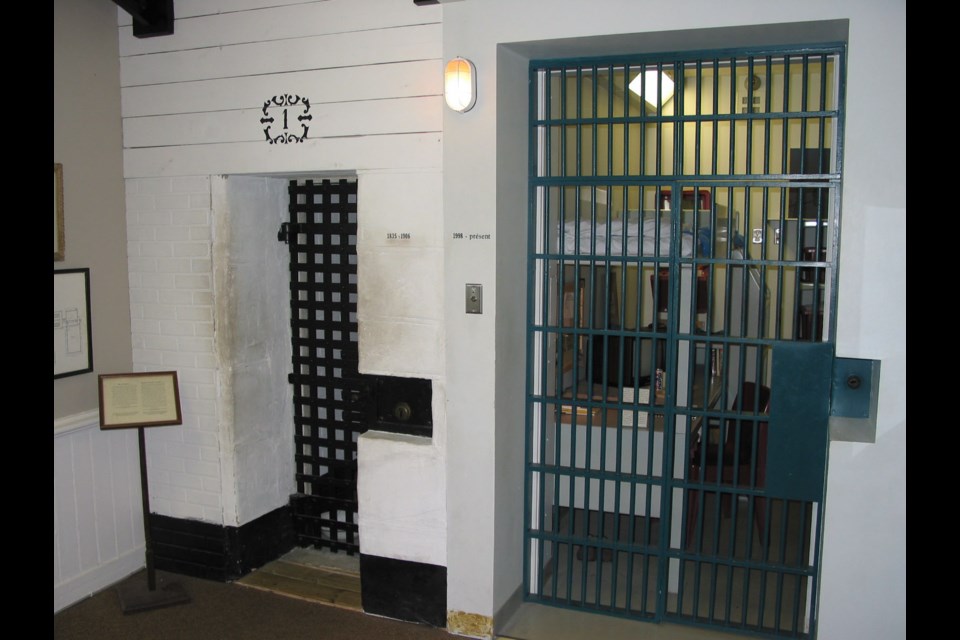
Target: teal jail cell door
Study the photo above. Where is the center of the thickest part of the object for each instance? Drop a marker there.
(683, 236)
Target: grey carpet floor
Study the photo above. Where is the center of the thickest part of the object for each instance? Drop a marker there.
(225, 611)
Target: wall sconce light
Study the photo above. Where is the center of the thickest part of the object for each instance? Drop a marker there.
(645, 85)
(460, 84)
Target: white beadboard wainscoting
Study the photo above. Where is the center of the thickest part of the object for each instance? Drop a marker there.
(97, 513)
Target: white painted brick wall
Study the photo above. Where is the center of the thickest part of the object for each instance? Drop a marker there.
(171, 309)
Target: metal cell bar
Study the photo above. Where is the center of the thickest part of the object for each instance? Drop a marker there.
(538, 165)
(544, 271)
(731, 142)
(749, 90)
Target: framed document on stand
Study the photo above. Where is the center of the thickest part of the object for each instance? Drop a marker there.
(132, 400)
(137, 401)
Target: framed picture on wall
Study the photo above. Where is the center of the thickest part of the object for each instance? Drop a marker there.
(58, 252)
(72, 335)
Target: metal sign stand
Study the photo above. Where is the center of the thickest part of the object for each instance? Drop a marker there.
(139, 400)
(133, 596)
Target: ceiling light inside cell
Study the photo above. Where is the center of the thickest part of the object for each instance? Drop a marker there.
(645, 85)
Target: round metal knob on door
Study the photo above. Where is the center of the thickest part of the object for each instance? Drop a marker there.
(402, 411)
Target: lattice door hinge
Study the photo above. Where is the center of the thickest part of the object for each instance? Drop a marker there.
(283, 235)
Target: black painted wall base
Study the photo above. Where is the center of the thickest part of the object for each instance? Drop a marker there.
(399, 589)
(404, 590)
(215, 552)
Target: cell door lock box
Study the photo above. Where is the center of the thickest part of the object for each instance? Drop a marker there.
(854, 397)
(402, 405)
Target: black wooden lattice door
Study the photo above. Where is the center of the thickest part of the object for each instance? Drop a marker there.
(329, 395)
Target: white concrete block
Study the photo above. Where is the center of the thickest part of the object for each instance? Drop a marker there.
(161, 343)
(136, 233)
(402, 512)
(204, 498)
(191, 218)
(144, 296)
(158, 311)
(191, 249)
(151, 185)
(147, 357)
(157, 281)
(155, 249)
(210, 469)
(394, 347)
(199, 200)
(195, 281)
(145, 326)
(203, 329)
(202, 439)
(203, 313)
(207, 361)
(401, 283)
(191, 184)
(171, 202)
(172, 234)
(139, 203)
(174, 265)
(202, 297)
(200, 407)
(200, 234)
(154, 218)
(140, 265)
(212, 514)
(174, 297)
(184, 481)
(183, 451)
(177, 360)
(176, 328)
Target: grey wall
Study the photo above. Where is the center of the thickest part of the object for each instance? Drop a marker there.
(87, 140)
(252, 273)
(97, 519)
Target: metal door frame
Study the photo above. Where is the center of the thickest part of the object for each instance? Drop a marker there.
(542, 402)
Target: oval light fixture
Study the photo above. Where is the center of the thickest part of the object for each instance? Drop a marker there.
(460, 84)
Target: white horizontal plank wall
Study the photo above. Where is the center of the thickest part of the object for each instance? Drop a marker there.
(192, 105)
(243, 22)
(192, 101)
(97, 516)
(257, 61)
(327, 86)
(369, 118)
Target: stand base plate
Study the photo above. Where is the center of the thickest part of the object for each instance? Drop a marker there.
(135, 594)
